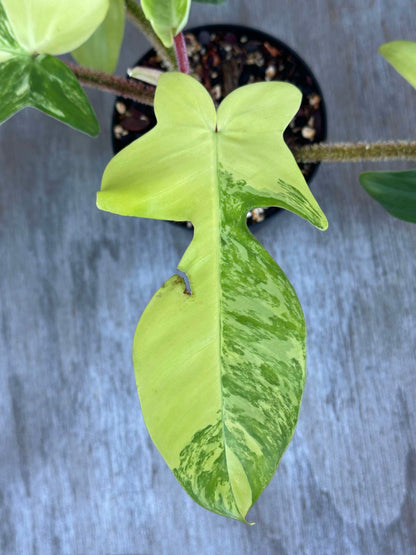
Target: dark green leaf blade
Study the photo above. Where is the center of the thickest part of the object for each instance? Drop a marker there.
(55, 90)
(15, 87)
(102, 49)
(44, 82)
(394, 190)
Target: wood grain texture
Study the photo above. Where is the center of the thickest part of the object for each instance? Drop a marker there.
(78, 473)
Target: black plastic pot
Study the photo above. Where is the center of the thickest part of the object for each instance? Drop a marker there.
(226, 57)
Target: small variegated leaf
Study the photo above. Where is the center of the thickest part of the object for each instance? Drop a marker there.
(220, 369)
(394, 190)
(401, 54)
(55, 90)
(167, 17)
(40, 81)
(44, 82)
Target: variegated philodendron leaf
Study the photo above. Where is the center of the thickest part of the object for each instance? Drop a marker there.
(31, 78)
(220, 369)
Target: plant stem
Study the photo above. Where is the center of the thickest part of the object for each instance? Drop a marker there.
(356, 152)
(181, 54)
(129, 88)
(136, 15)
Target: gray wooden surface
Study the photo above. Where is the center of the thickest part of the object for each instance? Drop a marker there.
(78, 473)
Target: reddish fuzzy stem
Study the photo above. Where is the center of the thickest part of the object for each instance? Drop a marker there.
(181, 54)
(129, 88)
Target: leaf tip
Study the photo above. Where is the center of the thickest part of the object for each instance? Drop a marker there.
(323, 223)
(244, 520)
(99, 202)
(382, 49)
(94, 131)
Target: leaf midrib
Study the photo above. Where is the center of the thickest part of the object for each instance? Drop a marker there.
(220, 317)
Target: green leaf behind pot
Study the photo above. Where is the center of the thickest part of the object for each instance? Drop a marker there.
(395, 191)
(401, 54)
(167, 17)
(220, 369)
(43, 82)
(102, 49)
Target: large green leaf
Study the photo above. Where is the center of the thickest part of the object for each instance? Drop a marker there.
(401, 54)
(220, 370)
(167, 17)
(395, 191)
(52, 27)
(43, 82)
(102, 49)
